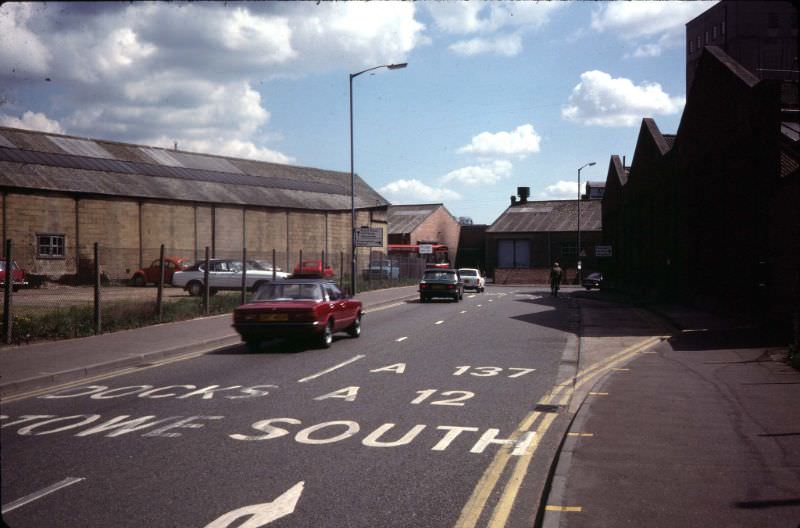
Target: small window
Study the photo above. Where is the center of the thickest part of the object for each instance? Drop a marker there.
(772, 20)
(699, 42)
(722, 28)
(691, 46)
(706, 36)
(50, 246)
(714, 32)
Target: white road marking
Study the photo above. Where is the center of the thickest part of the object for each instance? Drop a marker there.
(490, 300)
(69, 481)
(258, 515)
(480, 305)
(438, 322)
(326, 371)
(401, 339)
(378, 309)
(470, 296)
(463, 311)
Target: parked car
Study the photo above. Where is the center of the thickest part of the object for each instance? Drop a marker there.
(310, 308)
(312, 269)
(472, 279)
(223, 274)
(150, 274)
(592, 280)
(18, 279)
(441, 283)
(382, 269)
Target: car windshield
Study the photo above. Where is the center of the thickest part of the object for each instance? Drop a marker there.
(468, 273)
(439, 275)
(289, 292)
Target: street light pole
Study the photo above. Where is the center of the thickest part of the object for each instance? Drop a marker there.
(579, 219)
(352, 176)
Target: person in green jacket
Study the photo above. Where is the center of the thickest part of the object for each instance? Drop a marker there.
(555, 279)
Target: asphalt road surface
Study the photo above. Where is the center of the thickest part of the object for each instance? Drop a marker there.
(440, 414)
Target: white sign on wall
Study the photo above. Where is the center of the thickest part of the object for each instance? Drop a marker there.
(425, 249)
(602, 251)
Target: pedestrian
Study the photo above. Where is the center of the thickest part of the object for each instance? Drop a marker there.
(555, 279)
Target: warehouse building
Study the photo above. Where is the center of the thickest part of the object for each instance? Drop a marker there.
(61, 194)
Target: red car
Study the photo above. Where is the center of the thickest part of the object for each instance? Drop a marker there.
(310, 308)
(145, 276)
(17, 275)
(312, 268)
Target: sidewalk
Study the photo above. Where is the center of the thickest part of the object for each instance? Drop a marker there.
(28, 367)
(703, 429)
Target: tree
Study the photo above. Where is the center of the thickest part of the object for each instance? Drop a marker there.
(465, 220)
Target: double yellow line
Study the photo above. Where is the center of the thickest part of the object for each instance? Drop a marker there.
(560, 395)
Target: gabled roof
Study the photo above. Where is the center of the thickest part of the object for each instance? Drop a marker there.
(53, 162)
(660, 140)
(403, 219)
(617, 174)
(548, 216)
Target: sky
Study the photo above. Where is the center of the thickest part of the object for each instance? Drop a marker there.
(496, 95)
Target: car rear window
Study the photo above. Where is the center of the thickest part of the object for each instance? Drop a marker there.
(439, 275)
(289, 292)
(468, 273)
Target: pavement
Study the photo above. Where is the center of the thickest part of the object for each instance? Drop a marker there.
(696, 424)
(25, 368)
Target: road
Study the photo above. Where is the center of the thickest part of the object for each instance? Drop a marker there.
(441, 414)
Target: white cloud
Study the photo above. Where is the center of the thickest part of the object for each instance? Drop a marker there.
(507, 45)
(222, 147)
(634, 21)
(519, 142)
(413, 191)
(32, 121)
(562, 190)
(486, 174)
(487, 17)
(602, 100)
(21, 50)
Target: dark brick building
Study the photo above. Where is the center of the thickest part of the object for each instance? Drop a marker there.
(711, 214)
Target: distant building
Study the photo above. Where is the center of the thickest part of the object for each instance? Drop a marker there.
(759, 35)
(595, 190)
(423, 223)
(472, 247)
(524, 241)
(61, 194)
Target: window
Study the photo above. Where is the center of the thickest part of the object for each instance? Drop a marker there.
(699, 42)
(706, 36)
(691, 46)
(714, 32)
(50, 246)
(569, 249)
(513, 254)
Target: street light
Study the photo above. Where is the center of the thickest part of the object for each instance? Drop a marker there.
(352, 174)
(579, 219)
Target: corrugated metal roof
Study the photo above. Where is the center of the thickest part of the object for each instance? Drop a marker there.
(80, 147)
(548, 216)
(211, 163)
(402, 219)
(5, 142)
(271, 185)
(161, 157)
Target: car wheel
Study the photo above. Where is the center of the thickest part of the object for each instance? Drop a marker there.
(326, 339)
(138, 281)
(423, 299)
(195, 289)
(355, 329)
(14, 288)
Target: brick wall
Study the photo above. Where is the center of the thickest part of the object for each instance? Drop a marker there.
(441, 227)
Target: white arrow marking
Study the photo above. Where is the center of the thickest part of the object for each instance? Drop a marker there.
(262, 514)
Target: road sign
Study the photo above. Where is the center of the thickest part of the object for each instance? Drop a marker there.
(369, 237)
(602, 251)
(425, 249)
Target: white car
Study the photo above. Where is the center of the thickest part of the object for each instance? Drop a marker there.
(472, 279)
(223, 274)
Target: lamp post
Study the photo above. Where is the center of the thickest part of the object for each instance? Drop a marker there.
(352, 174)
(579, 219)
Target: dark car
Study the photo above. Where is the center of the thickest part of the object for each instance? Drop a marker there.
(310, 308)
(441, 283)
(151, 274)
(593, 280)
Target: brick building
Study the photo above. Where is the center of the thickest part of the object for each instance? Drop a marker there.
(423, 223)
(60, 194)
(523, 242)
(759, 35)
(710, 214)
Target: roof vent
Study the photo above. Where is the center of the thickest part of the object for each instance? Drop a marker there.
(513, 200)
(524, 193)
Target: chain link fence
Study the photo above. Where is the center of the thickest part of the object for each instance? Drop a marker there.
(104, 288)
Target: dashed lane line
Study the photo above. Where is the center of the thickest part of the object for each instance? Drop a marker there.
(438, 322)
(399, 339)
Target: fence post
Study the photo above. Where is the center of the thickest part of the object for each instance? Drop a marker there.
(300, 264)
(160, 293)
(98, 325)
(341, 269)
(274, 264)
(244, 274)
(323, 262)
(9, 285)
(206, 289)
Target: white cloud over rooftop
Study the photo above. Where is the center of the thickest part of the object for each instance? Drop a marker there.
(521, 141)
